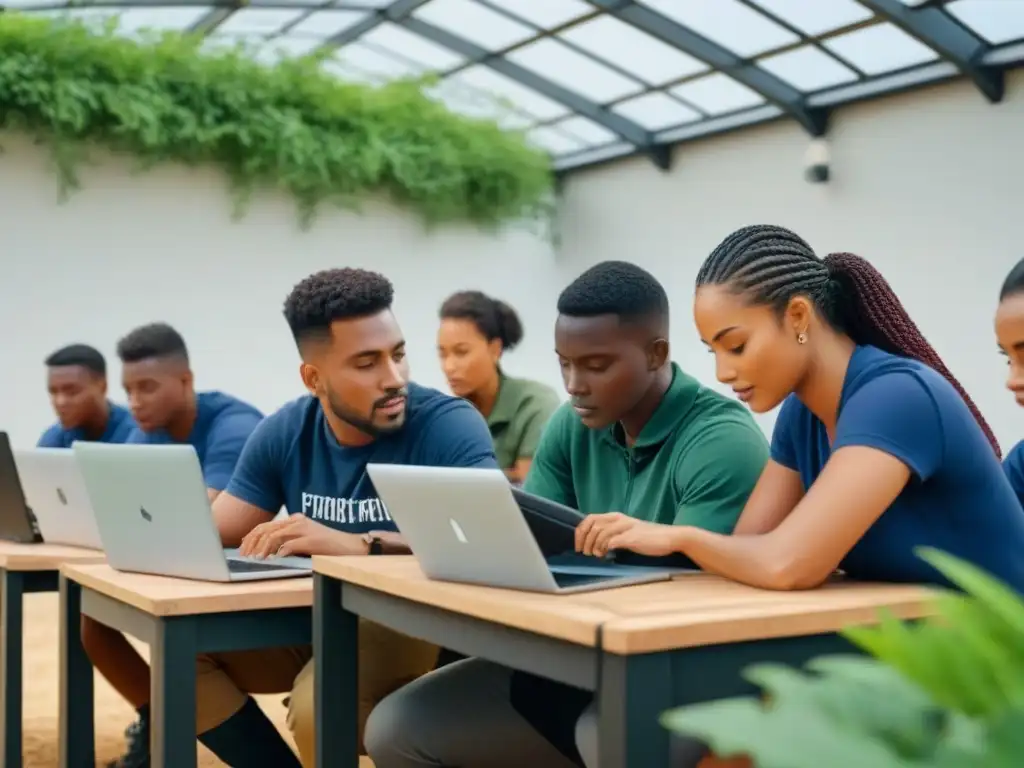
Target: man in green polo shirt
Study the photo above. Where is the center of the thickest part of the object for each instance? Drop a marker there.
(640, 442)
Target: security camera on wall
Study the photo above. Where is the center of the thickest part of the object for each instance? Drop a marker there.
(816, 162)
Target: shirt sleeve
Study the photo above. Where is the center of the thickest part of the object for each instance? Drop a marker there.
(550, 472)
(1013, 466)
(458, 437)
(226, 441)
(257, 477)
(897, 414)
(52, 438)
(783, 449)
(537, 411)
(717, 474)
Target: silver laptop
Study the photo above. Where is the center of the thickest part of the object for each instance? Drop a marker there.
(465, 525)
(55, 493)
(154, 516)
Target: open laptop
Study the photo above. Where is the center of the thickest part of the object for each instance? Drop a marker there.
(55, 493)
(154, 516)
(16, 520)
(465, 525)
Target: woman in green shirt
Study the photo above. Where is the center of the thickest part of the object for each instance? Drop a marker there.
(475, 331)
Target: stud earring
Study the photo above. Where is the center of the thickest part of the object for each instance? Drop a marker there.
(801, 338)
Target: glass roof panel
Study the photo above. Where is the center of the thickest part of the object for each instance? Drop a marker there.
(880, 48)
(656, 111)
(524, 99)
(998, 21)
(816, 17)
(648, 58)
(324, 24)
(717, 94)
(377, 64)
(554, 141)
(586, 130)
(808, 68)
(258, 21)
(729, 23)
(574, 71)
(466, 101)
(287, 46)
(132, 21)
(393, 39)
(547, 14)
(476, 22)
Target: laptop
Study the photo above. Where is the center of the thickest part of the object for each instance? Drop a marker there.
(464, 525)
(16, 520)
(55, 493)
(154, 516)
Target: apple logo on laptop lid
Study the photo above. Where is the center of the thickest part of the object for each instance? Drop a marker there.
(145, 515)
(459, 533)
(63, 498)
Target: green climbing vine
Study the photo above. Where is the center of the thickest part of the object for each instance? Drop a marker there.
(291, 125)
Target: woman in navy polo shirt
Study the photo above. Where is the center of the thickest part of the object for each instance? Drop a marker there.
(877, 449)
(1010, 335)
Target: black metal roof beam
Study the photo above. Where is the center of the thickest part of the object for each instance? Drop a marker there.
(394, 12)
(772, 89)
(632, 132)
(951, 40)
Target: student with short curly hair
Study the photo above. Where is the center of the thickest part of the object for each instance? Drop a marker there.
(475, 331)
(310, 457)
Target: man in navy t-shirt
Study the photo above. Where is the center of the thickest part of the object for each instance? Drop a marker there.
(158, 380)
(310, 457)
(76, 378)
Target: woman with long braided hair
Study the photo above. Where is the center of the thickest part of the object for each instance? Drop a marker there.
(877, 449)
(1010, 335)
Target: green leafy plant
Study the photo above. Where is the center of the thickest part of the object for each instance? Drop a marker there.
(291, 126)
(945, 692)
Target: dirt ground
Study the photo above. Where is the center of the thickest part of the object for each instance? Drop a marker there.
(112, 713)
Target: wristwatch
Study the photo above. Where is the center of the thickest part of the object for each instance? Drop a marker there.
(374, 546)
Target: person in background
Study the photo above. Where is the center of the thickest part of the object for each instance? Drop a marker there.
(158, 380)
(640, 437)
(310, 457)
(1010, 335)
(475, 331)
(76, 378)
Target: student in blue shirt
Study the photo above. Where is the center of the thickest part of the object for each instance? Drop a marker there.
(76, 378)
(1010, 335)
(158, 380)
(310, 457)
(877, 449)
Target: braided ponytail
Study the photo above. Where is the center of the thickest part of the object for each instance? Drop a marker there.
(773, 265)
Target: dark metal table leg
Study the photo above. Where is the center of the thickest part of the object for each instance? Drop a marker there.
(12, 585)
(173, 686)
(336, 681)
(632, 693)
(77, 742)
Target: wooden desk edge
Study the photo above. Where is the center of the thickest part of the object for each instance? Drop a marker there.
(34, 561)
(665, 632)
(580, 629)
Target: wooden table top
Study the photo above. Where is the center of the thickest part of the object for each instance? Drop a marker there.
(690, 610)
(169, 596)
(44, 557)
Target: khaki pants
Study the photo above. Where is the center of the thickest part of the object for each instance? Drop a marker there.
(387, 661)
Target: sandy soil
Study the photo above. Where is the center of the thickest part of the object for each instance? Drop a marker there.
(112, 713)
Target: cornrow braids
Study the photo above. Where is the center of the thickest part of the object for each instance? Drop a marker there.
(772, 265)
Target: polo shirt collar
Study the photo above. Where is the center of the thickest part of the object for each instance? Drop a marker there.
(672, 409)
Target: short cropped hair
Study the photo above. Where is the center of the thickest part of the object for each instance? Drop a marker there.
(335, 294)
(87, 357)
(149, 341)
(615, 288)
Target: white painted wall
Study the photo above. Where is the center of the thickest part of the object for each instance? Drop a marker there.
(134, 248)
(926, 185)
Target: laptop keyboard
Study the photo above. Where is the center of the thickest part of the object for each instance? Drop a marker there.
(248, 566)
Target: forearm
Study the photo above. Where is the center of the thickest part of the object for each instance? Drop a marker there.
(752, 560)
